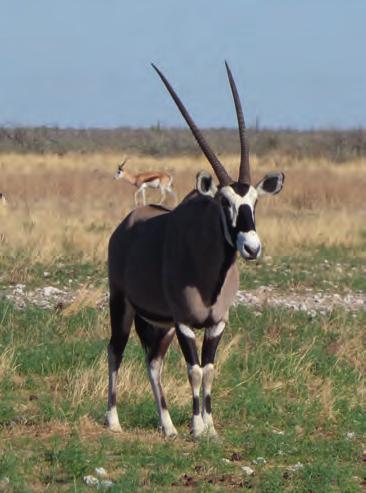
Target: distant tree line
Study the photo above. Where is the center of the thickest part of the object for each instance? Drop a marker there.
(338, 145)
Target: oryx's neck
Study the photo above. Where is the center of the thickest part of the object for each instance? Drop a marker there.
(201, 254)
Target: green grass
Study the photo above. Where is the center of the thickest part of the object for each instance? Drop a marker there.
(325, 269)
(17, 267)
(290, 388)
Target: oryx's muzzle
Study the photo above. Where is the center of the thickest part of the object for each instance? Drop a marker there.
(248, 245)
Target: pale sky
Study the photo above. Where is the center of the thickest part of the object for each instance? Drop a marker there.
(86, 63)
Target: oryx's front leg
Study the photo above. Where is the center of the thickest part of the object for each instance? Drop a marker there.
(210, 342)
(187, 342)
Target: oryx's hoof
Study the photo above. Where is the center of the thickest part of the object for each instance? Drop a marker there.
(212, 434)
(112, 422)
(198, 427)
(169, 432)
(116, 428)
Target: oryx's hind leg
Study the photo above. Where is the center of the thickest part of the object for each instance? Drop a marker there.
(121, 314)
(210, 342)
(187, 341)
(156, 341)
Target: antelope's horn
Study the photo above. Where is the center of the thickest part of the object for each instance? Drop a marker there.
(123, 163)
(218, 168)
(244, 170)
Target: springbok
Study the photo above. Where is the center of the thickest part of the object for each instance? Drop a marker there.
(172, 271)
(156, 179)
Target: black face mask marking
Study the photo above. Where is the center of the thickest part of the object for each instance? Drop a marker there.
(240, 188)
(245, 220)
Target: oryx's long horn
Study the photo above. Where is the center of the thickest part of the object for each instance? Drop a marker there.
(244, 170)
(218, 168)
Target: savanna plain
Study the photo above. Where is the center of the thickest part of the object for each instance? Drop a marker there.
(289, 396)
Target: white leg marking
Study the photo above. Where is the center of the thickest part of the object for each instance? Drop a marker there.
(195, 378)
(186, 331)
(216, 330)
(207, 379)
(112, 415)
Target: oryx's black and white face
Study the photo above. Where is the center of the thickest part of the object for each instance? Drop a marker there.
(237, 198)
(238, 202)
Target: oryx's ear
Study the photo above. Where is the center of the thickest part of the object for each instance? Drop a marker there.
(270, 184)
(205, 184)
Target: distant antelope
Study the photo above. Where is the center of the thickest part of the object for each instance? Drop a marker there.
(172, 271)
(155, 179)
(2, 199)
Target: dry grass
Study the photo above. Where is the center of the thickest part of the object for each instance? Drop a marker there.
(7, 362)
(134, 383)
(65, 205)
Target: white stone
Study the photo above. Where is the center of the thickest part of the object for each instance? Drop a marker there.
(91, 480)
(106, 483)
(101, 472)
(295, 467)
(259, 461)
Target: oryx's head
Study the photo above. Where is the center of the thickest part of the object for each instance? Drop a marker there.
(237, 198)
(120, 171)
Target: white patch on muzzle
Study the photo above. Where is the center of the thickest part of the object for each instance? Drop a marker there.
(248, 245)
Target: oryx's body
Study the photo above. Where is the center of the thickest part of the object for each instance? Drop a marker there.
(172, 271)
(142, 181)
(165, 274)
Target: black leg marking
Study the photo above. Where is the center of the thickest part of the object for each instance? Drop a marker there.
(208, 404)
(188, 345)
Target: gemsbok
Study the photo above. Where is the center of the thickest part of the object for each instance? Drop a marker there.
(174, 271)
(142, 181)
